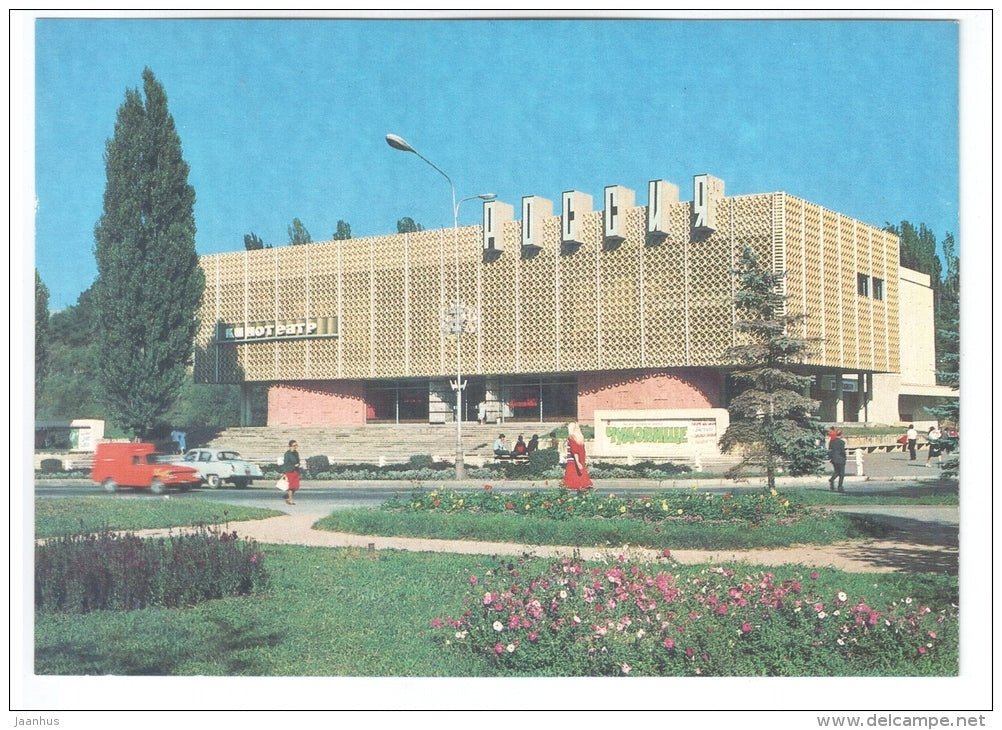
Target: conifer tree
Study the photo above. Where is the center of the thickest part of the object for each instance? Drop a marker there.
(772, 422)
(41, 332)
(149, 282)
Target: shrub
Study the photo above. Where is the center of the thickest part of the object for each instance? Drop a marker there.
(418, 461)
(51, 466)
(318, 464)
(109, 571)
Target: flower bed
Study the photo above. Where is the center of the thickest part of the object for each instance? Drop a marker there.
(610, 620)
(564, 504)
(109, 571)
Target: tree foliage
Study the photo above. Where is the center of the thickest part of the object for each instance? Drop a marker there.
(343, 232)
(407, 225)
(772, 423)
(41, 331)
(252, 242)
(149, 282)
(298, 235)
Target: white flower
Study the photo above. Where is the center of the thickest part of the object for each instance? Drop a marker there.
(498, 626)
(460, 634)
(640, 634)
(908, 600)
(842, 596)
(822, 615)
(840, 642)
(563, 594)
(510, 648)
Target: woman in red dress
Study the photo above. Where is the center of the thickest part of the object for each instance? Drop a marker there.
(576, 472)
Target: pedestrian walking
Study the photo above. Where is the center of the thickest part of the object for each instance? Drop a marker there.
(576, 471)
(935, 447)
(836, 455)
(912, 435)
(290, 467)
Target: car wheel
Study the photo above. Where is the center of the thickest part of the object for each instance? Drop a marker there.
(157, 487)
(212, 481)
(239, 482)
(109, 485)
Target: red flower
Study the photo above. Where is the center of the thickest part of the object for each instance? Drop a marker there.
(666, 553)
(745, 627)
(488, 487)
(814, 575)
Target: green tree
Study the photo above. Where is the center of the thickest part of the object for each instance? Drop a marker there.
(772, 423)
(298, 235)
(918, 250)
(407, 225)
(70, 387)
(252, 242)
(149, 283)
(948, 356)
(343, 232)
(41, 332)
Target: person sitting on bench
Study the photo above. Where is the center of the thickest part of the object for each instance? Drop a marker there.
(500, 450)
(519, 450)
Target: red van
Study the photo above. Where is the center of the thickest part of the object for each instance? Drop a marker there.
(139, 465)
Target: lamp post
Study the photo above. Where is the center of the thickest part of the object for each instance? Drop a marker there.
(456, 319)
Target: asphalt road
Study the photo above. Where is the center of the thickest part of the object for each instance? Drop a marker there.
(323, 497)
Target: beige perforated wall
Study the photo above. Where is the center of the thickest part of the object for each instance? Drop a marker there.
(598, 306)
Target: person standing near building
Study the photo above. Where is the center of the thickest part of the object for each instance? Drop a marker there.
(576, 471)
(912, 435)
(482, 412)
(836, 455)
(290, 467)
(935, 450)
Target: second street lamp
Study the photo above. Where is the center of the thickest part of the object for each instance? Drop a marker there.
(457, 318)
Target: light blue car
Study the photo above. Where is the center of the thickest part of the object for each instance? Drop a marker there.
(220, 465)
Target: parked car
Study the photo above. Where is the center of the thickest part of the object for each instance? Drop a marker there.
(221, 465)
(139, 465)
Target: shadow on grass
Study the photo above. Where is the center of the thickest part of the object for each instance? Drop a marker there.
(943, 541)
(231, 648)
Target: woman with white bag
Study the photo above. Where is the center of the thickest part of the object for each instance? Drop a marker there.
(290, 469)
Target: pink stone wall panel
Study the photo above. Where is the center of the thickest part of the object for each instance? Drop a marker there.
(317, 403)
(648, 390)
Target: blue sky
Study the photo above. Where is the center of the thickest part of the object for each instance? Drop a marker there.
(286, 118)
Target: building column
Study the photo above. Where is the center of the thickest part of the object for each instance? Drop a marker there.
(246, 410)
(839, 403)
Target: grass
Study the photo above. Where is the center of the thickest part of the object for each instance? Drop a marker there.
(596, 531)
(346, 612)
(76, 515)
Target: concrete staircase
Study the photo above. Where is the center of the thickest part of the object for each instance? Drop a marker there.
(373, 443)
(396, 443)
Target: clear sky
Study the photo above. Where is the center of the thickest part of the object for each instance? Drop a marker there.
(283, 119)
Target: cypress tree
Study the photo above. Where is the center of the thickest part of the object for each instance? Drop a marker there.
(772, 422)
(149, 282)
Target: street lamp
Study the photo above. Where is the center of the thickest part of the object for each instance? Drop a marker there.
(456, 318)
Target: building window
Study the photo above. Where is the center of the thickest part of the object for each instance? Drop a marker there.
(878, 288)
(863, 285)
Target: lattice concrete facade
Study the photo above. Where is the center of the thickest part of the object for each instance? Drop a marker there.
(653, 295)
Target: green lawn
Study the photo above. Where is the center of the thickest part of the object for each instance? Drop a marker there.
(349, 612)
(75, 515)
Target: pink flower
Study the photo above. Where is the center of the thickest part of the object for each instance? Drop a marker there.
(814, 575)
(626, 668)
(487, 599)
(745, 627)
(532, 636)
(921, 650)
(689, 652)
(499, 648)
(473, 580)
(437, 623)
(932, 634)
(666, 553)
(669, 643)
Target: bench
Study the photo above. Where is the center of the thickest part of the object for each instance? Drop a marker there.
(510, 459)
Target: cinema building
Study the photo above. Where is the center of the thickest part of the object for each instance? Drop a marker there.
(615, 313)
